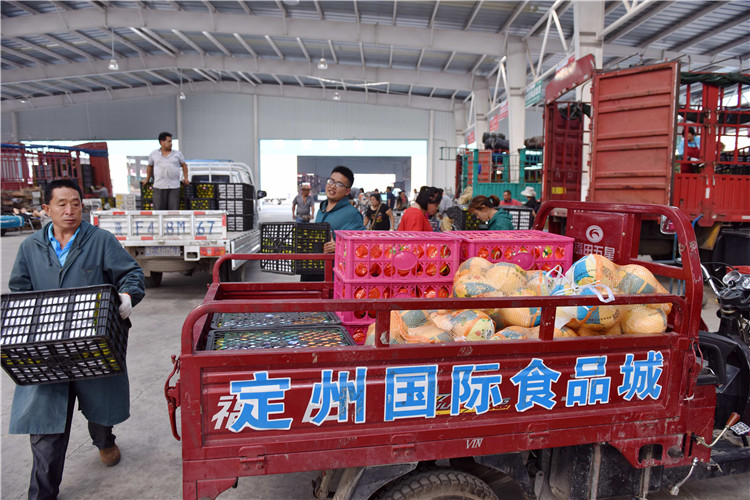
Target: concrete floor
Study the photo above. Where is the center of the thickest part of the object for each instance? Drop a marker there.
(151, 457)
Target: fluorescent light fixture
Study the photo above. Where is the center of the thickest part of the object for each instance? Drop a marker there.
(322, 63)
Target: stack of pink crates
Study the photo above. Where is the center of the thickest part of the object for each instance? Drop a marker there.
(530, 249)
(384, 264)
(388, 264)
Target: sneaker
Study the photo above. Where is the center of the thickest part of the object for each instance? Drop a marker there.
(110, 456)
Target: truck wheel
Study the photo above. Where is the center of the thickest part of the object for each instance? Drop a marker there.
(154, 280)
(439, 483)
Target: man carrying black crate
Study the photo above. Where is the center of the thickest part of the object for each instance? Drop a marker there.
(69, 253)
(164, 165)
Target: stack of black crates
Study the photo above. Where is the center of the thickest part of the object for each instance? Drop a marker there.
(236, 198)
(292, 238)
(147, 196)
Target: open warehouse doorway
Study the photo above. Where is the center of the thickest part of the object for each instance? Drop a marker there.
(370, 172)
(375, 163)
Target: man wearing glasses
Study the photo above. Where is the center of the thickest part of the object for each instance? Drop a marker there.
(336, 210)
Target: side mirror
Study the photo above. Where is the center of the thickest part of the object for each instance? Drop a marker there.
(260, 194)
(666, 226)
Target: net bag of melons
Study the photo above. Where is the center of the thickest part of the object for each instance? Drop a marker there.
(521, 333)
(431, 327)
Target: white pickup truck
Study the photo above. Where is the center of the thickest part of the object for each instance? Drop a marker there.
(189, 240)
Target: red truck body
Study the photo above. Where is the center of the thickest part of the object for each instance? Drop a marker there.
(256, 412)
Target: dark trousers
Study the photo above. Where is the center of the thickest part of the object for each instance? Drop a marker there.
(48, 452)
(167, 199)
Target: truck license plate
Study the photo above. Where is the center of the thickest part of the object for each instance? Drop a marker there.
(167, 251)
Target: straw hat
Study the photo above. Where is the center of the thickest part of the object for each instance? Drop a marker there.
(529, 191)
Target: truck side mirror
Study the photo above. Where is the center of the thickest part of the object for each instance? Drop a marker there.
(261, 194)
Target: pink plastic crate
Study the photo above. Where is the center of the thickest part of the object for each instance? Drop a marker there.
(361, 289)
(529, 249)
(394, 256)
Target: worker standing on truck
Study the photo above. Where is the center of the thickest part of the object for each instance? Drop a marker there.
(488, 209)
(164, 166)
(67, 253)
(336, 209)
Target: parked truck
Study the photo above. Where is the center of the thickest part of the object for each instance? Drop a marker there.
(639, 117)
(192, 240)
(562, 418)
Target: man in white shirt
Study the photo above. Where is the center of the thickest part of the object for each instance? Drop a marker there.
(164, 165)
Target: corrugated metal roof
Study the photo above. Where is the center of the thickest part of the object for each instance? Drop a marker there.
(437, 50)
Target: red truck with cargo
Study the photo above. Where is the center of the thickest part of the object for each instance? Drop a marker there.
(576, 417)
(639, 118)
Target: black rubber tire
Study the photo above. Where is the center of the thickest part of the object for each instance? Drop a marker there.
(154, 280)
(439, 484)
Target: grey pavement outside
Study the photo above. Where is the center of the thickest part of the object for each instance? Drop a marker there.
(151, 466)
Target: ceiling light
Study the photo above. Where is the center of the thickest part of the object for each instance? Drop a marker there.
(336, 96)
(24, 100)
(182, 96)
(322, 63)
(113, 66)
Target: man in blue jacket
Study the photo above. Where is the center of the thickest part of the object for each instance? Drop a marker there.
(67, 253)
(336, 210)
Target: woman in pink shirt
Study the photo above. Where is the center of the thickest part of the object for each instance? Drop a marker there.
(416, 218)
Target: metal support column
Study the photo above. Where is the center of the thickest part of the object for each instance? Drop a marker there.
(589, 20)
(516, 73)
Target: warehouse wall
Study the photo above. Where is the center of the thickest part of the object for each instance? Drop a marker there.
(218, 126)
(221, 125)
(131, 119)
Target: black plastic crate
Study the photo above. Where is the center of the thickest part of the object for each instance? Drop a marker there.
(239, 222)
(61, 335)
(462, 220)
(203, 204)
(236, 207)
(234, 321)
(205, 190)
(278, 237)
(235, 190)
(291, 237)
(278, 338)
(523, 217)
(147, 190)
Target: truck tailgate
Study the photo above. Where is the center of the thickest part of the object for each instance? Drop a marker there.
(163, 226)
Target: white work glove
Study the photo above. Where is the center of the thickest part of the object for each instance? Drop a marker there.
(126, 305)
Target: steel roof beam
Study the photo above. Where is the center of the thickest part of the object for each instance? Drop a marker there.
(218, 44)
(680, 47)
(473, 15)
(438, 79)
(617, 33)
(20, 54)
(245, 45)
(304, 49)
(733, 43)
(151, 41)
(188, 41)
(333, 51)
(275, 47)
(245, 7)
(681, 24)
(513, 15)
(53, 55)
(632, 13)
(471, 42)
(358, 97)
